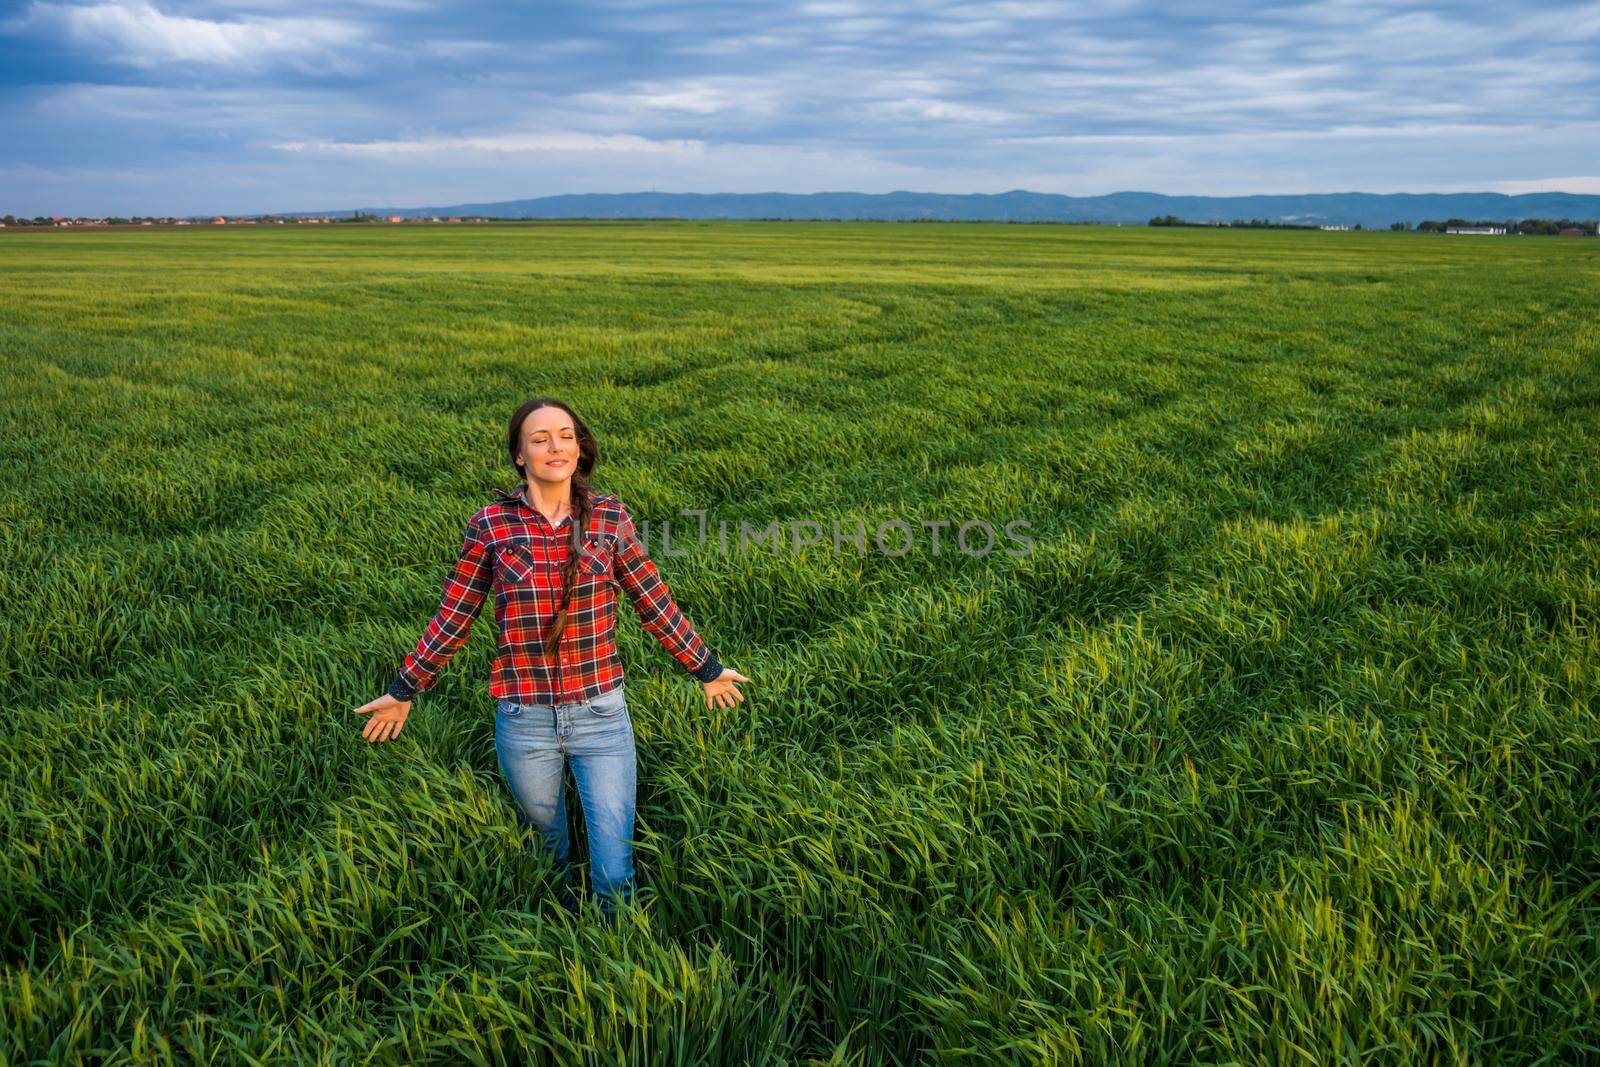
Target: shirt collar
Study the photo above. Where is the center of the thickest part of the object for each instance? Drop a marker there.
(519, 495)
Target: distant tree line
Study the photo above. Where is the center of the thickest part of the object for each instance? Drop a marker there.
(23, 220)
(1252, 224)
(1551, 227)
(1529, 227)
(1433, 226)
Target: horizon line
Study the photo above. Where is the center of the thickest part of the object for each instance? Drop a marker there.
(844, 192)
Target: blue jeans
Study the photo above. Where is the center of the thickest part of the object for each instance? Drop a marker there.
(533, 741)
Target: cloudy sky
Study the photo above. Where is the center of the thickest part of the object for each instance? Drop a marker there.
(193, 106)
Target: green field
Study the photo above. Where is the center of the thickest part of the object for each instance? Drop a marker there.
(1282, 745)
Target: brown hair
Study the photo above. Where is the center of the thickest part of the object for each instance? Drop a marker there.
(582, 503)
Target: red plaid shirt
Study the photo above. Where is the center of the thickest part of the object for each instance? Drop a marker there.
(511, 546)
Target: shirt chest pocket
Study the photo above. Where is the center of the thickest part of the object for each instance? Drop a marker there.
(516, 563)
(523, 563)
(594, 564)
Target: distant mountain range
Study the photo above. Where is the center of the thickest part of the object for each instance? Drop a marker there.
(1369, 209)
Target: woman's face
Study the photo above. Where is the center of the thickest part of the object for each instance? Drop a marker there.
(549, 445)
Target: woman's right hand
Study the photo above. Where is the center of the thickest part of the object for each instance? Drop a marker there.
(388, 716)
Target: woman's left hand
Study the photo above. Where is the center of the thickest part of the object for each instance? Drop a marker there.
(721, 692)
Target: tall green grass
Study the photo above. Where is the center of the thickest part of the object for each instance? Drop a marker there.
(1281, 746)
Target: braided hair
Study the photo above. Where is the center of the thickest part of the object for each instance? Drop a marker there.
(582, 501)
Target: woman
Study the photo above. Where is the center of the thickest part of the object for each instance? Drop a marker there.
(555, 550)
